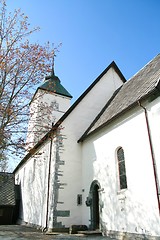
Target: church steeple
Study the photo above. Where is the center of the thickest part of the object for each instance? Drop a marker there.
(53, 84)
(49, 103)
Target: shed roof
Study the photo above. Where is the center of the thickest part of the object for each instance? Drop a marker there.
(137, 88)
(7, 189)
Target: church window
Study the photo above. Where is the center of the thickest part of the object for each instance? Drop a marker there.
(121, 168)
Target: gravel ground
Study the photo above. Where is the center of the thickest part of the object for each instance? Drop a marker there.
(14, 232)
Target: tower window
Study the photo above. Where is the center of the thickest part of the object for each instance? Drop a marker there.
(121, 168)
(54, 105)
(79, 199)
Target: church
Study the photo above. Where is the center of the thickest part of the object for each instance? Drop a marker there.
(94, 163)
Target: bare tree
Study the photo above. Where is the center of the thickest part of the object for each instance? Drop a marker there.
(22, 66)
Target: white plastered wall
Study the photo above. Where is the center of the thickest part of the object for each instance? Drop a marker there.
(73, 128)
(132, 210)
(46, 108)
(153, 111)
(33, 180)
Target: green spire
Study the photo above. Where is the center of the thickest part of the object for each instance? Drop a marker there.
(53, 84)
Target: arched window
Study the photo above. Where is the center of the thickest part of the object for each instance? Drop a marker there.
(121, 168)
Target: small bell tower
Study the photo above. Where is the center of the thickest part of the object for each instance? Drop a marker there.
(50, 101)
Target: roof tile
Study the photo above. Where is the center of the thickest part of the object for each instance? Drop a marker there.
(7, 189)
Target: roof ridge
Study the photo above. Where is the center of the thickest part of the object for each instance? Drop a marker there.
(144, 67)
(139, 87)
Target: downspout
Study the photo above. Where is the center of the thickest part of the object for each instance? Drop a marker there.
(152, 153)
(48, 184)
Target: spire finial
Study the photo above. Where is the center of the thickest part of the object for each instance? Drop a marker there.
(52, 73)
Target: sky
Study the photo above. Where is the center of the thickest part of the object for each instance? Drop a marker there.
(93, 33)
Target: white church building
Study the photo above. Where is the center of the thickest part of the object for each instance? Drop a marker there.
(99, 164)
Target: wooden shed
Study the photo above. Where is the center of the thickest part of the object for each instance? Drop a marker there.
(7, 198)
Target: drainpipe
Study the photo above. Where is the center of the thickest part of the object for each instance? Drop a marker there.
(48, 185)
(152, 153)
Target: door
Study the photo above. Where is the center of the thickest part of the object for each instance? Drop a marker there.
(94, 191)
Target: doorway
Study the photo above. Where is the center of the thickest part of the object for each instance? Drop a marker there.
(94, 191)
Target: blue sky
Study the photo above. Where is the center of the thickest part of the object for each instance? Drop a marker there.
(93, 33)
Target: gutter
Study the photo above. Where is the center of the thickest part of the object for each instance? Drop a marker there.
(152, 153)
(48, 184)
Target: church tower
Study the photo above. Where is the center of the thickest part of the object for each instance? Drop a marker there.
(50, 101)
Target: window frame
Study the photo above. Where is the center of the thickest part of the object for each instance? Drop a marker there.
(121, 166)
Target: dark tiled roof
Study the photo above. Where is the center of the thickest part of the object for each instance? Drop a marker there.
(137, 88)
(7, 189)
(53, 84)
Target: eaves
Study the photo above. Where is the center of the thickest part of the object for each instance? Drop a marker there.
(133, 105)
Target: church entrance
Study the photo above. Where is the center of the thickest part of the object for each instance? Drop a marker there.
(94, 191)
